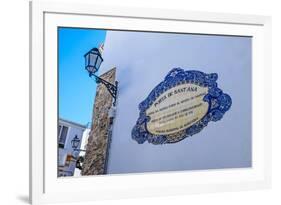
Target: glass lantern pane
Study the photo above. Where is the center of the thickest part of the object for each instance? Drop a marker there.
(91, 69)
(93, 58)
(98, 62)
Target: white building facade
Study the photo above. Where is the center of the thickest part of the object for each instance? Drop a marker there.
(83, 145)
(70, 137)
(142, 60)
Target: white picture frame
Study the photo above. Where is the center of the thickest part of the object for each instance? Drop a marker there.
(45, 187)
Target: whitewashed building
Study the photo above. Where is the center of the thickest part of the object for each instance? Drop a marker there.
(142, 60)
(70, 135)
(83, 146)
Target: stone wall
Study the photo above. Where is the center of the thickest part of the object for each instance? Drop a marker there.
(96, 151)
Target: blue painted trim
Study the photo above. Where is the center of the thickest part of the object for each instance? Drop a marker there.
(219, 103)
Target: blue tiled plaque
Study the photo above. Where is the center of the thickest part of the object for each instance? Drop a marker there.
(180, 106)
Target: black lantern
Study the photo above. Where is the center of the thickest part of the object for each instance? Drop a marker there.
(75, 142)
(93, 61)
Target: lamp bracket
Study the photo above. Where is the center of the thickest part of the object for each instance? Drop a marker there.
(110, 87)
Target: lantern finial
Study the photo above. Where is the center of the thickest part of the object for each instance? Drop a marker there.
(101, 48)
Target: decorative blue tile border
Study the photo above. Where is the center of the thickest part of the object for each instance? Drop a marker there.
(219, 103)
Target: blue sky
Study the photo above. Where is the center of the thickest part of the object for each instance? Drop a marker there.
(76, 89)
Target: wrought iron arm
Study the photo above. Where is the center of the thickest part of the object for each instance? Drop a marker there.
(110, 87)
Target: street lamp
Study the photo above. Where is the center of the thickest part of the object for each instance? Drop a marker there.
(93, 60)
(79, 161)
(75, 142)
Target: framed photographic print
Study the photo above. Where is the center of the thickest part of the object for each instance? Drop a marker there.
(129, 102)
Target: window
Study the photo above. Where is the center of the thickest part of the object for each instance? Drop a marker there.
(59, 130)
(62, 136)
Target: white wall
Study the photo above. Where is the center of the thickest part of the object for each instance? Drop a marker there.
(84, 141)
(72, 132)
(83, 145)
(14, 101)
(143, 59)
